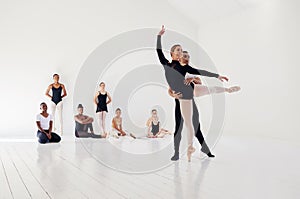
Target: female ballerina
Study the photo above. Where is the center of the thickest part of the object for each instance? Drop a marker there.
(101, 101)
(57, 100)
(117, 127)
(175, 76)
(154, 128)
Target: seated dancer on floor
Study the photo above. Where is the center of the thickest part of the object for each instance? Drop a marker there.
(83, 123)
(117, 128)
(154, 129)
(44, 122)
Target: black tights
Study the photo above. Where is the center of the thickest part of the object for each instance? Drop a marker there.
(179, 125)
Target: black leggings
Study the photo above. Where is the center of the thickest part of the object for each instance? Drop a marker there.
(81, 131)
(179, 125)
(43, 139)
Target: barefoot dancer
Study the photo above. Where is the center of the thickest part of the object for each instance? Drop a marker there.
(101, 101)
(117, 127)
(154, 128)
(83, 123)
(44, 122)
(175, 76)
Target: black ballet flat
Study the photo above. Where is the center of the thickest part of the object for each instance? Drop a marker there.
(210, 155)
(175, 157)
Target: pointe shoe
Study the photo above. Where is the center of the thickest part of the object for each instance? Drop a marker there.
(210, 155)
(234, 89)
(189, 152)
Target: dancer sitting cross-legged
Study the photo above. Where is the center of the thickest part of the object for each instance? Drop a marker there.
(154, 127)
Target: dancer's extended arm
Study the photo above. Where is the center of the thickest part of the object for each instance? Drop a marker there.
(195, 71)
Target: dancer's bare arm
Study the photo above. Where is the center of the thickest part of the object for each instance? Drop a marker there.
(64, 90)
(48, 91)
(109, 98)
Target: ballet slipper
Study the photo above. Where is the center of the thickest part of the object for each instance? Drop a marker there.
(191, 150)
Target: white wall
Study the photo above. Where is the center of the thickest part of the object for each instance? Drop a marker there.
(39, 38)
(259, 50)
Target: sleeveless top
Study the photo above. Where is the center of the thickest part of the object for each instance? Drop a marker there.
(101, 105)
(56, 94)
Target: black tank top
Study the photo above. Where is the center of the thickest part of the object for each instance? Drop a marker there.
(155, 128)
(102, 106)
(56, 94)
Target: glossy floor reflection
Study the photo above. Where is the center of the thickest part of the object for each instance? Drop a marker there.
(244, 168)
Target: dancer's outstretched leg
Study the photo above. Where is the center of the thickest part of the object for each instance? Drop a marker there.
(187, 110)
(200, 90)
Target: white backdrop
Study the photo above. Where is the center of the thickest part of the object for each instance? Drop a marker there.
(259, 49)
(256, 48)
(40, 38)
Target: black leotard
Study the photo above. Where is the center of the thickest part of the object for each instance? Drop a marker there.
(101, 105)
(175, 73)
(56, 94)
(155, 128)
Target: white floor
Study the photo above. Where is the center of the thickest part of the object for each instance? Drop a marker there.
(244, 168)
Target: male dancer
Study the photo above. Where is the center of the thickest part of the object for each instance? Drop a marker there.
(83, 124)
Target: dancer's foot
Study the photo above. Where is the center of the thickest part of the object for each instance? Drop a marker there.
(104, 135)
(115, 136)
(210, 155)
(191, 150)
(133, 136)
(175, 157)
(233, 89)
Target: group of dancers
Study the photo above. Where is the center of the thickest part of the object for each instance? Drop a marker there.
(184, 84)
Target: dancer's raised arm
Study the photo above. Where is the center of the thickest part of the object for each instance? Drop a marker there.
(159, 51)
